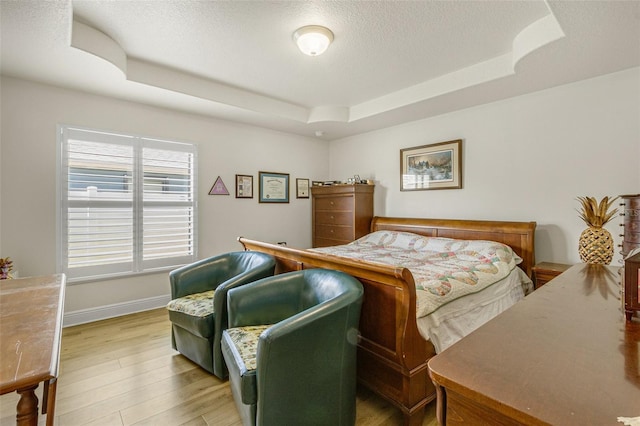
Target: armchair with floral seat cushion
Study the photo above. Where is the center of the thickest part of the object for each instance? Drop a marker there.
(291, 348)
(198, 306)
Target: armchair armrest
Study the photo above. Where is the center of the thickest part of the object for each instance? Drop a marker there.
(203, 275)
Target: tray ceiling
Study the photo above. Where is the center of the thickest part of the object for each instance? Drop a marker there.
(390, 62)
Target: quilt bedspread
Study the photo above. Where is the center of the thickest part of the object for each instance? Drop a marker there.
(444, 269)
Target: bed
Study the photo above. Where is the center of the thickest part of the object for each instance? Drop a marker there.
(392, 351)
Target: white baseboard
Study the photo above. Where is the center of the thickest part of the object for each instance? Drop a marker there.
(84, 316)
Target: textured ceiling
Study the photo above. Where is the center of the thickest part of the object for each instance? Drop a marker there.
(390, 62)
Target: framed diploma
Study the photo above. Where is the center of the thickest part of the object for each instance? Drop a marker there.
(273, 187)
(302, 188)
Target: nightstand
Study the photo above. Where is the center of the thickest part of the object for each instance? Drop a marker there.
(546, 271)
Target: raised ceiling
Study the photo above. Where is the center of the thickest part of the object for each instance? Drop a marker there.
(391, 61)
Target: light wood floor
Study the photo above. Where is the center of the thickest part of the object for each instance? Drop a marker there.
(123, 371)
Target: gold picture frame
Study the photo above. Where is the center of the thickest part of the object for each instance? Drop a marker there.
(434, 166)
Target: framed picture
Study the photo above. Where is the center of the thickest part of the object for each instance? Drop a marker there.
(244, 186)
(435, 166)
(302, 188)
(274, 187)
(218, 188)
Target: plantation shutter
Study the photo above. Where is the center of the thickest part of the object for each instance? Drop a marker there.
(127, 204)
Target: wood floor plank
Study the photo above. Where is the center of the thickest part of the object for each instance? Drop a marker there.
(80, 415)
(123, 371)
(204, 389)
(189, 408)
(105, 386)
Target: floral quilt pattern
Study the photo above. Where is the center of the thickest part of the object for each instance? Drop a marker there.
(444, 269)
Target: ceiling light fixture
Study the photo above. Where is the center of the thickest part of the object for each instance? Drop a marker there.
(313, 40)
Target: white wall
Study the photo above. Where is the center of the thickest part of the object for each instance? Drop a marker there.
(30, 113)
(525, 158)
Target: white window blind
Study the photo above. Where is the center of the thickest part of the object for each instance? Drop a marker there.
(127, 204)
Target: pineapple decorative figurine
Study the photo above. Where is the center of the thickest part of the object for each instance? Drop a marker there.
(596, 244)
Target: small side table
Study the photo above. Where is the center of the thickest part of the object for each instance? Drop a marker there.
(546, 271)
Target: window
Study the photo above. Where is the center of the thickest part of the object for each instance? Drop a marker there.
(127, 204)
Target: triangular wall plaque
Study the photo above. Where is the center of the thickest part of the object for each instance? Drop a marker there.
(219, 188)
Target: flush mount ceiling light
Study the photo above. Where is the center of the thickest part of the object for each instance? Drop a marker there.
(313, 40)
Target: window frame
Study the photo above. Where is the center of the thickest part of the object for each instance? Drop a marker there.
(138, 265)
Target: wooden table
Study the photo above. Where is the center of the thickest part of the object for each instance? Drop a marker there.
(564, 356)
(31, 312)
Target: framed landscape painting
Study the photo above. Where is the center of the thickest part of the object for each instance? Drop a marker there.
(435, 166)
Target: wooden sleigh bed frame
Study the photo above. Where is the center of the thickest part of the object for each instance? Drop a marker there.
(392, 354)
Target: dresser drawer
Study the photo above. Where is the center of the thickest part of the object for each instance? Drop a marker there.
(327, 242)
(334, 232)
(334, 218)
(334, 203)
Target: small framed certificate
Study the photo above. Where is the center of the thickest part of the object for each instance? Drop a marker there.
(302, 188)
(273, 187)
(244, 186)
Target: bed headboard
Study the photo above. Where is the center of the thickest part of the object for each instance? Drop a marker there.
(518, 235)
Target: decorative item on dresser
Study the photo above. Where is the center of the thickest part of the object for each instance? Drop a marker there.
(340, 213)
(596, 244)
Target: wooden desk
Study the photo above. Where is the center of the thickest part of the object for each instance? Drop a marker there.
(30, 328)
(563, 356)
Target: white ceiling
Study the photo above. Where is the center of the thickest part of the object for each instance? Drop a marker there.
(390, 62)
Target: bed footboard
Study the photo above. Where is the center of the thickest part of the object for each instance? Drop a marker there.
(392, 355)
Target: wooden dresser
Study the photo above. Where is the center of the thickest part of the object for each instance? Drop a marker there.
(630, 242)
(563, 355)
(631, 223)
(340, 213)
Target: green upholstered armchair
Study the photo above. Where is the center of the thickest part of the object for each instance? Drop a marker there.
(198, 307)
(291, 348)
